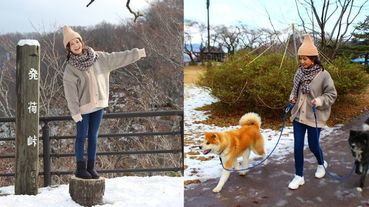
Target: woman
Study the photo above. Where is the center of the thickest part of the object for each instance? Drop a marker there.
(312, 86)
(86, 87)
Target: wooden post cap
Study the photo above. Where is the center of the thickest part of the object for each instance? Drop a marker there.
(87, 192)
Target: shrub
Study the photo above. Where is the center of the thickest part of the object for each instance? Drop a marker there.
(273, 85)
(244, 83)
(258, 84)
(348, 77)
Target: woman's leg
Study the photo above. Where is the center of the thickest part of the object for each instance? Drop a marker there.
(93, 131)
(82, 127)
(299, 134)
(313, 140)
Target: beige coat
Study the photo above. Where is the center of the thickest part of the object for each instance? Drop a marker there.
(88, 91)
(324, 91)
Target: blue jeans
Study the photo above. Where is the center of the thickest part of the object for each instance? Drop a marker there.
(313, 140)
(88, 127)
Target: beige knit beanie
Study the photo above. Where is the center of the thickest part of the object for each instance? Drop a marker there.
(308, 48)
(69, 35)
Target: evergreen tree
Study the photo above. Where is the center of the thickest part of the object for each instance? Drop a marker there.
(361, 36)
(359, 44)
(360, 40)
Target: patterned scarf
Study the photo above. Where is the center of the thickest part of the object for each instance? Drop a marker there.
(84, 61)
(303, 77)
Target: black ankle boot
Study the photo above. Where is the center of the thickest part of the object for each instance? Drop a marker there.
(81, 170)
(91, 169)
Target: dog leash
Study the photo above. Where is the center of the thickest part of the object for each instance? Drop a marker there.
(333, 175)
(288, 108)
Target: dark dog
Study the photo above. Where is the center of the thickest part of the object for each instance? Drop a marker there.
(359, 142)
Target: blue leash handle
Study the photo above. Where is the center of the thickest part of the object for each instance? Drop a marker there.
(288, 108)
(333, 175)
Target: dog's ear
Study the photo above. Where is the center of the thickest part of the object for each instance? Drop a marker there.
(211, 136)
(215, 137)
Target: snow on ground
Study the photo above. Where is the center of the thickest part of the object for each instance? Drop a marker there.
(202, 167)
(156, 191)
(162, 191)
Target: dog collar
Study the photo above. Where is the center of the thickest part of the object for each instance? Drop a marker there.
(221, 152)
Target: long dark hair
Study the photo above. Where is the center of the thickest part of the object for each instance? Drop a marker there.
(316, 61)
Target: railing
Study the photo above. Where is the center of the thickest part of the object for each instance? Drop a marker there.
(46, 152)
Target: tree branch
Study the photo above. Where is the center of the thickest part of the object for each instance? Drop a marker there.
(271, 23)
(299, 14)
(90, 3)
(136, 14)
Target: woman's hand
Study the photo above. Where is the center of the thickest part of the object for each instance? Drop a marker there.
(316, 102)
(142, 52)
(293, 100)
(313, 102)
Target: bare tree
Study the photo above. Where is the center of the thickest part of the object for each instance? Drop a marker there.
(249, 37)
(240, 37)
(51, 88)
(229, 37)
(7, 75)
(190, 26)
(135, 14)
(5, 90)
(339, 13)
(162, 35)
(188, 47)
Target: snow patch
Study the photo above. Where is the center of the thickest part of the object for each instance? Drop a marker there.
(28, 42)
(132, 191)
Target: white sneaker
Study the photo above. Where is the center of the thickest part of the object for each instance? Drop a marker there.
(296, 182)
(320, 171)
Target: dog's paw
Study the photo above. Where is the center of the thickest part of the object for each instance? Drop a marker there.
(217, 190)
(359, 189)
(265, 161)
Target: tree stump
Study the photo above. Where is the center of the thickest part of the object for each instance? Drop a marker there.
(87, 192)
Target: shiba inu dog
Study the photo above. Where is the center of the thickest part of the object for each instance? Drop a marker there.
(230, 145)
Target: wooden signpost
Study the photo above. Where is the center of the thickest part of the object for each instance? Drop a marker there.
(27, 118)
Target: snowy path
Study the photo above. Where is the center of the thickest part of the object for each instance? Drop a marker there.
(203, 167)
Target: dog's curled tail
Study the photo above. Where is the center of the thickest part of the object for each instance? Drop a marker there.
(250, 118)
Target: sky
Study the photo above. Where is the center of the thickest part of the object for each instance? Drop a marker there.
(249, 12)
(45, 15)
(156, 191)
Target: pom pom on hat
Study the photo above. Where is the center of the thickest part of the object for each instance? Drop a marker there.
(69, 34)
(308, 48)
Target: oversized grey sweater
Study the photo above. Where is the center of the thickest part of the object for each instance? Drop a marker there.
(88, 91)
(324, 91)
